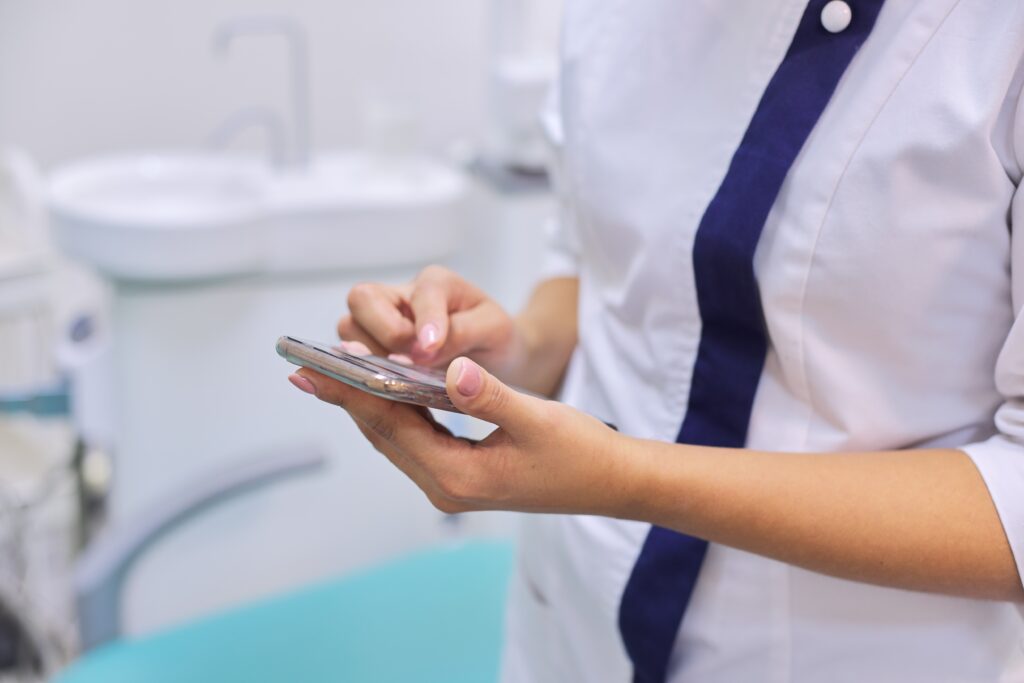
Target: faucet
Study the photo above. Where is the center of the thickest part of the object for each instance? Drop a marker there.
(292, 32)
(259, 117)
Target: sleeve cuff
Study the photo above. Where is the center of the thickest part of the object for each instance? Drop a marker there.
(1001, 464)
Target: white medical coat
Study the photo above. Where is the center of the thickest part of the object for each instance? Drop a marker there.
(890, 279)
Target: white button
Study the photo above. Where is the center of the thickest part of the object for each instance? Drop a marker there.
(836, 16)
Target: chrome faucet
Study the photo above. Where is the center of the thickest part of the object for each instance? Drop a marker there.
(292, 31)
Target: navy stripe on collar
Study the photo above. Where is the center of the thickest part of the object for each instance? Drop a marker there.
(733, 344)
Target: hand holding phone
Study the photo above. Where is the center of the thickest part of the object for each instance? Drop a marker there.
(381, 377)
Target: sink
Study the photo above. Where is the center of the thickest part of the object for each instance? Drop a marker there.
(161, 216)
(176, 216)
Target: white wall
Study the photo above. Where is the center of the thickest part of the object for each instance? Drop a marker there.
(85, 76)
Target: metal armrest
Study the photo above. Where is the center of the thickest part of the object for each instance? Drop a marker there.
(101, 571)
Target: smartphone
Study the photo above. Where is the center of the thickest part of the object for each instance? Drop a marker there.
(413, 384)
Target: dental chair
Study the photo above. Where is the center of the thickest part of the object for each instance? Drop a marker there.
(433, 616)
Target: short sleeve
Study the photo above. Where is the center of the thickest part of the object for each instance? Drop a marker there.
(1000, 459)
(562, 252)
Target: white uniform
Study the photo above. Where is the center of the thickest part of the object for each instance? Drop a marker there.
(889, 278)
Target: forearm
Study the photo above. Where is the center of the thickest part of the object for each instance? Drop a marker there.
(546, 337)
(920, 520)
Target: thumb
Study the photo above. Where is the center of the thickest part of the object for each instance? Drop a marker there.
(480, 394)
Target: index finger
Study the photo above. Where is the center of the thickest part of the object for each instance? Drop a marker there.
(436, 294)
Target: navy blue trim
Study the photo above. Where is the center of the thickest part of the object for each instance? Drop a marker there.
(733, 344)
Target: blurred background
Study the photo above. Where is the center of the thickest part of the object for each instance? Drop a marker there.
(180, 184)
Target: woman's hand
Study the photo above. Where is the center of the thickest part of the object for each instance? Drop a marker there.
(544, 457)
(917, 519)
(432, 319)
(439, 316)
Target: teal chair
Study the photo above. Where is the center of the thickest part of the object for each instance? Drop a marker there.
(433, 616)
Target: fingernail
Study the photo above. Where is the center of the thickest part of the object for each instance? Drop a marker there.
(302, 384)
(469, 380)
(400, 358)
(356, 348)
(428, 336)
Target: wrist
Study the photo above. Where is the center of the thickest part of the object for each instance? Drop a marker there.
(520, 356)
(541, 356)
(526, 341)
(634, 471)
(660, 482)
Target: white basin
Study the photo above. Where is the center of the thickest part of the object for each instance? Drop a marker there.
(184, 216)
(161, 216)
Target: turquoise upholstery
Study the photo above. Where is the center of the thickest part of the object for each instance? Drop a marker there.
(435, 616)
